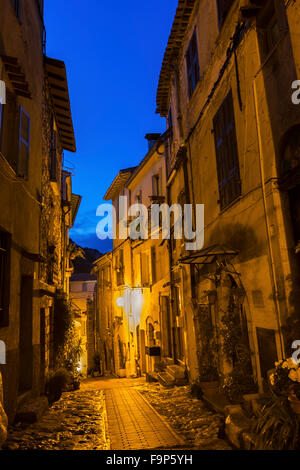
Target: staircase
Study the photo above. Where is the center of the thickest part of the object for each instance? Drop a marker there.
(173, 375)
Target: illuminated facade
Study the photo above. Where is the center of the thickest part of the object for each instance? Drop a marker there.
(82, 289)
(225, 89)
(38, 207)
(232, 144)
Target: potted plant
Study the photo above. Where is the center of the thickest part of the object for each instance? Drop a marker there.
(285, 381)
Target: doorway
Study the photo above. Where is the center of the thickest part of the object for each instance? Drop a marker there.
(25, 349)
(42, 349)
(166, 330)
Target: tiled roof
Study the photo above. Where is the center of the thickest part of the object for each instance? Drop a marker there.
(179, 28)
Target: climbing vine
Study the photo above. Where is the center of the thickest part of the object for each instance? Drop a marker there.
(236, 351)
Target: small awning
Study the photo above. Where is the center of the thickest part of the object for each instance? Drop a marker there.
(75, 203)
(209, 255)
(58, 83)
(16, 76)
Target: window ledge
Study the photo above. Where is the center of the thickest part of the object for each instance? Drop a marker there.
(235, 201)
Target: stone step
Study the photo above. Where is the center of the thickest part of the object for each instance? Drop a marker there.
(166, 379)
(177, 373)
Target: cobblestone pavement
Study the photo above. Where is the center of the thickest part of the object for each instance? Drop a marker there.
(75, 422)
(189, 417)
(121, 414)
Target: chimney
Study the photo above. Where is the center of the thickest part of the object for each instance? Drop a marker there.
(152, 139)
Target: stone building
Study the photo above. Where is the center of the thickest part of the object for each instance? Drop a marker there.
(36, 198)
(82, 288)
(137, 314)
(232, 144)
(105, 323)
(225, 90)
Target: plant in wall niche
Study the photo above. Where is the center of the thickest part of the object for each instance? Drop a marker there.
(237, 352)
(208, 353)
(69, 355)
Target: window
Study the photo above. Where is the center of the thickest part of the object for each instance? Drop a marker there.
(5, 242)
(223, 9)
(63, 186)
(53, 156)
(24, 144)
(170, 118)
(9, 129)
(153, 265)
(227, 153)
(155, 185)
(145, 275)
(192, 63)
(138, 198)
(17, 7)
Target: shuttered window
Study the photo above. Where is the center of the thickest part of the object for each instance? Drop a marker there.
(223, 9)
(227, 153)
(155, 185)
(192, 63)
(153, 265)
(145, 275)
(5, 244)
(24, 144)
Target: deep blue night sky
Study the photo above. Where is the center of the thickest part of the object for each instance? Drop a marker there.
(113, 52)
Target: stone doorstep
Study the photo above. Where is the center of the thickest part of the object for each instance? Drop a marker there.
(215, 401)
(165, 379)
(237, 427)
(251, 402)
(177, 372)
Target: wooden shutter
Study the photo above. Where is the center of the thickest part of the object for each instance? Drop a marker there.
(227, 153)
(153, 265)
(192, 62)
(144, 269)
(10, 121)
(24, 144)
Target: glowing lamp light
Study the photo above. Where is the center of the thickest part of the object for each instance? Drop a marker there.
(120, 301)
(132, 302)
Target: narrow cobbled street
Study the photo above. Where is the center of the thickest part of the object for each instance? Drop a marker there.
(122, 414)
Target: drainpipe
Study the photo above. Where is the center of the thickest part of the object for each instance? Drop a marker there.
(268, 230)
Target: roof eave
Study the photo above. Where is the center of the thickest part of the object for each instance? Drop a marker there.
(59, 91)
(179, 28)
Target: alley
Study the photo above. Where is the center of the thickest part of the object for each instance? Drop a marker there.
(117, 414)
